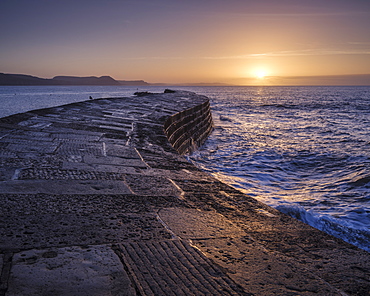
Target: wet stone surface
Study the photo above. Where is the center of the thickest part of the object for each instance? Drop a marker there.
(61, 220)
(94, 270)
(94, 200)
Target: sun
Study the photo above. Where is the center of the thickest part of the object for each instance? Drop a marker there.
(260, 73)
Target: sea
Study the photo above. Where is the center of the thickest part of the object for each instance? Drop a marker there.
(304, 150)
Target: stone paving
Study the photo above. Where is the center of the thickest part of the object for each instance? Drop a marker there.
(95, 201)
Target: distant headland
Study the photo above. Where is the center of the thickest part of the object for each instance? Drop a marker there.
(326, 80)
(20, 79)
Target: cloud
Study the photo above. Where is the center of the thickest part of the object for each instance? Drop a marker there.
(286, 53)
(155, 58)
(293, 53)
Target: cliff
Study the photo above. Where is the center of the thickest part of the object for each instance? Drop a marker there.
(19, 79)
(91, 80)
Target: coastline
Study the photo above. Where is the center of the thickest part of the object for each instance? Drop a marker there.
(101, 176)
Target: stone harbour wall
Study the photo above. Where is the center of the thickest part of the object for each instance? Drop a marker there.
(187, 130)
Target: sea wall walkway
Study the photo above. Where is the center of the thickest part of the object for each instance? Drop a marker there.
(94, 200)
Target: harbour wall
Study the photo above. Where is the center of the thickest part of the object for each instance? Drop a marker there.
(187, 130)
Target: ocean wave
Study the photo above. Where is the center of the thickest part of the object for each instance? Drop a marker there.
(360, 181)
(225, 118)
(359, 237)
(284, 106)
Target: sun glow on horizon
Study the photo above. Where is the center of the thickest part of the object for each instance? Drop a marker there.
(260, 73)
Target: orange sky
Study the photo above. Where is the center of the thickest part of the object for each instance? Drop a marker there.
(186, 41)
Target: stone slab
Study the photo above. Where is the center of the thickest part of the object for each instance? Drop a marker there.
(265, 273)
(64, 187)
(121, 151)
(197, 224)
(80, 148)
(111, 160)
(39, 221)
(123, 129)
(152, 185)
(93, 270)
(102, 168)
(173, 267)
(72, 136)
(35, 148)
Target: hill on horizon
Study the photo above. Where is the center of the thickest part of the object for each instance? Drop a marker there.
(21, 79)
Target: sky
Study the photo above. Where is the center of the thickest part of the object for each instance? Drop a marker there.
(193, 41)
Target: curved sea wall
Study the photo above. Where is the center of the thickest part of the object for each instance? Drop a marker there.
(187, 130)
